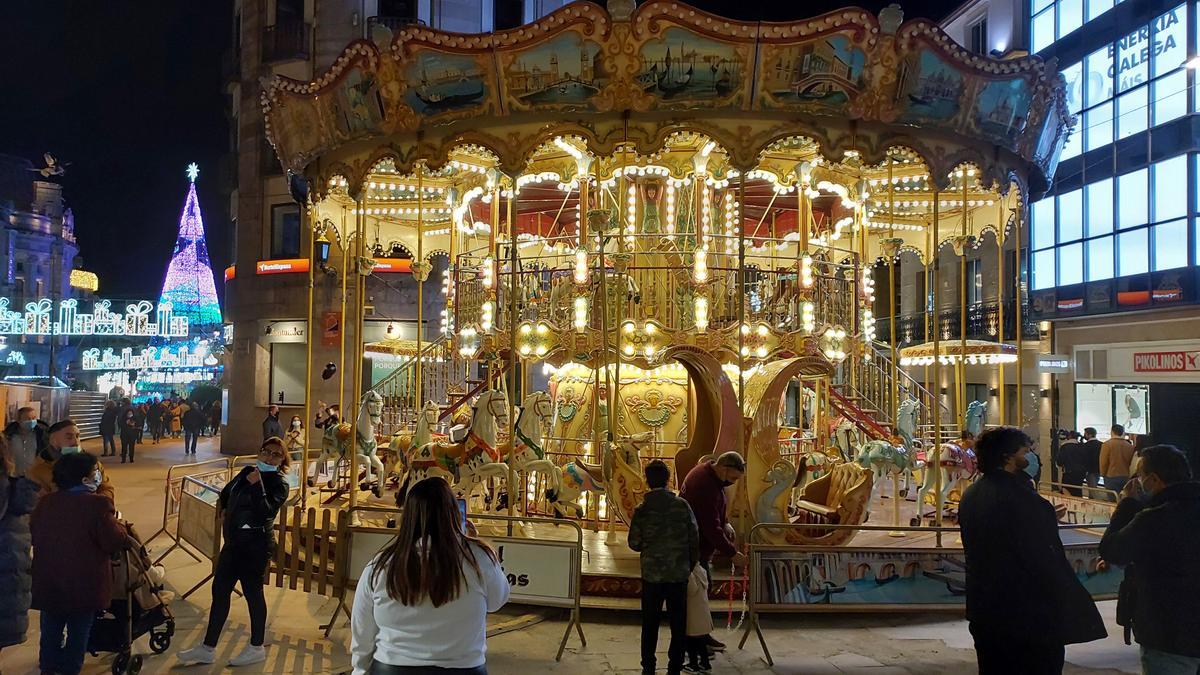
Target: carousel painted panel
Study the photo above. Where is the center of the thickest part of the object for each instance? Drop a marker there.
(682, 68)
(563, 73)
(930, 89)
(1001, 110)
(822, 75)
(449, 85)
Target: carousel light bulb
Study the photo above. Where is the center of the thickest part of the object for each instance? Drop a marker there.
(581, 313)
(525, 350)
(541, 350)
(808, 317)
(700, 265)
(760, 352)
(526, 329)
(581, 266)
(700, 306)
(628, 349)
(763, 330)
(486, 315)
(648, 350)
(489, 272)
(806, 274)
(542, 328)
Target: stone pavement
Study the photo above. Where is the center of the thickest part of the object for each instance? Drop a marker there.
(524, 640)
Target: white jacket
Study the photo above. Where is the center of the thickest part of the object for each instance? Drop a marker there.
(699, 615)
(451, 636)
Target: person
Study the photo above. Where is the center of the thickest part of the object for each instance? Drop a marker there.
(1072, 459)
(1155, 531)
(422, 602)
(214, 418)
(699, 623)
(108, 429)
(139, 419)
(664, 531)
(249, 504)
(1024, 601)
(75, 532)
(154, 417)
(174, 421)
(17, 498)
(1091, 451)
(270, 425)
(193, 426)
(129, 434)
(62, 439)
(704, 490)
(966, 440)
(1115, 456)
(294, 440)
(27, 438)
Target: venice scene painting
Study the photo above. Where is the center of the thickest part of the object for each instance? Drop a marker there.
(357, 108)
(564, 70)
(996, 112)
(828, 71)
(684, 65)
(929, 88)
(441, 82)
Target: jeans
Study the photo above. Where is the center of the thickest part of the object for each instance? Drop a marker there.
(110, 444)
(127, 443)
(1156, 662)
(156, 429)
(243, 560)
(379, 668)
(1116, 484)
(653, 596)
(189, 442)
(57, 656)
(1005, 656)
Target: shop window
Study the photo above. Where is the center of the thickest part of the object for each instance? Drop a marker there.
(1043, 223)
(1168, 251)
(1169, 48)
(1099, 207)
(1043, 29)
(1043, 269)
(1132, 253)
(1070, 264)
(1098, 126)
(1170, 97)
(1131, 199)
(1131, 113)
(285, 231)
(1170, 189)
(974, 281)
(1098, 70)
(1100, 259)
(289, 368)
(1070, 216)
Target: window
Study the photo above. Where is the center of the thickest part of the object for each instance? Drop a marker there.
(1132, 253)
(1097, 7)
(1131, 199)
(974, 281)
(1098, 126)
(1043, 29)
(978, 37)
(1131, 113)
(289, 370)
(1070, 216)
(1170, 189)
(1170, 97)
(1099, 207)
(1170, 250)
(285, 231)
(1043, 223)
(1100, 259)
(1070, 265)
(1070, 16)
(1043, 269)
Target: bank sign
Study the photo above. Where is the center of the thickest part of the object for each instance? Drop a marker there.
(1166, 362)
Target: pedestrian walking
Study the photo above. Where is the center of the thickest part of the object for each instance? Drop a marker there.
(1073, 460)
(249, 504)
(1024, 601)
(129, 435)
(214, 418)
(154, 417)
(193, 426)
(17, 498)
(1155, 533)
(294, 440)
(75, 532)
(139, 419)
(108, 429)
(664, 531)
(422, 602)
(1091, 452)
(271, 426)
(1116, 454)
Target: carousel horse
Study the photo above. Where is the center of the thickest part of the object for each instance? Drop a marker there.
(457, 462)
(620, 462)
(976, 417)
(906, 420)
(955, 465)
(404, 444)
(337, 436)
(527, 456)
(885, 459)
(845, 437)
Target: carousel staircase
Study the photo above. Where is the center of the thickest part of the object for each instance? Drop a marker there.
(443, 375)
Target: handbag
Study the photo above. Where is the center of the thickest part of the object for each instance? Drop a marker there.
(1127, 602)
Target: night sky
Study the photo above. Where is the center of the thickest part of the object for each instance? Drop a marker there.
(129, 92)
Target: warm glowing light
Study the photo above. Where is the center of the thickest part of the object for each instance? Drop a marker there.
(581, 313)
(700, 305)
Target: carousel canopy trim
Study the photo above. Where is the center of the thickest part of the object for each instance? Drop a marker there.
(579, 60)
(953, 351)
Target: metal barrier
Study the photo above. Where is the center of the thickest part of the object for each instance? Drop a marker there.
(789, 578)
(199, 524)
(534, 567)
(1081, 510)
(202, 471)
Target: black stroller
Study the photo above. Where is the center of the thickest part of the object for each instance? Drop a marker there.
(138, 607)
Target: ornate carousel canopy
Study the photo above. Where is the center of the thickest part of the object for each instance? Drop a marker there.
(954, 351)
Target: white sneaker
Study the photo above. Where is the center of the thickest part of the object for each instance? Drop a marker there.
(201, 653)
(249, 656)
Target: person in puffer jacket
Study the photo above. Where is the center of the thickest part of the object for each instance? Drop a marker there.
(17, 499)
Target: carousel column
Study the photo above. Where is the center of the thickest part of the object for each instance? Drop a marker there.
(421, 274)
(493, 294)
(310, 333)
(961, 366)
(1017, 312)
(1000, 237)
(892, 254)
(933, 455)
(360, 224)
(514, 490)
(741, 289)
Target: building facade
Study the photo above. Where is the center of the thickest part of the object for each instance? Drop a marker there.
(270, 353)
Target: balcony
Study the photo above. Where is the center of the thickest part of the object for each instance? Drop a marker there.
(392, 23)
(982, 324)
(290, 41)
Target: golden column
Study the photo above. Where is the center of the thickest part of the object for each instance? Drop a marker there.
(937, 377)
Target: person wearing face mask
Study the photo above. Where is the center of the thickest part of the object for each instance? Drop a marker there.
(26, 438)
(63, 439)
(75, 533)
(249, 504)
(1024, 601)
(1155, 532)
(294, 439)
(193, 427)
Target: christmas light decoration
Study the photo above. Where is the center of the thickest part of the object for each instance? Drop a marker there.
(189, 287)
(36, 320)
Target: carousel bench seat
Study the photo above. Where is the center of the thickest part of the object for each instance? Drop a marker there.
(838, 497)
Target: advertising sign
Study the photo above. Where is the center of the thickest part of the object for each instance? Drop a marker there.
(331, 328)
(288, 266)
(1053, 363)
(1166, 362)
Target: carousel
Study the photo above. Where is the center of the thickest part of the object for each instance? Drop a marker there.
(663, 230)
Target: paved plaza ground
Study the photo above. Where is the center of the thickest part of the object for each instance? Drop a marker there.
(524, 639)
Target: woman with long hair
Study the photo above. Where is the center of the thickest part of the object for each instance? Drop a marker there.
(17, 499)
(422, 602)
(294, 437)
(249, 504)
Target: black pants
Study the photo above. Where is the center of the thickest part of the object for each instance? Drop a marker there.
(653, 596)
(378, 668)
(110, 444)
(1000, 656)
(697, 651)
(243, 560)
(127, 443)
(1072, 480)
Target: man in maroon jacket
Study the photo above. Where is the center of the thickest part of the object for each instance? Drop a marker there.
(704, 490)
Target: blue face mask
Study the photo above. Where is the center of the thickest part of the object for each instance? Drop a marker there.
(70, 450)
(92, 483)
(29, 424)
(263, 467)
(1034, 466)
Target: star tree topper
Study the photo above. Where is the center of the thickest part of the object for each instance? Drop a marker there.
(193, 170)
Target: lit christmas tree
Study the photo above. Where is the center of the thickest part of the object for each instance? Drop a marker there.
(189, 285)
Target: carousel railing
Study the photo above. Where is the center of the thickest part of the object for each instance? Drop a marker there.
(983, 320)
(442, 374)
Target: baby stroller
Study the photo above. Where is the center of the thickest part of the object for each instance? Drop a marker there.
(139, 606)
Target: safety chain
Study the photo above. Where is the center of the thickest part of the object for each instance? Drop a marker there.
(745, 584)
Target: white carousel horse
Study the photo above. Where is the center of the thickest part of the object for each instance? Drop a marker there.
(976, 417)
(461, 461)
(906, 420)
(955, 464)
(578, 476)
(846, 437)
(404, 444)
(527, 456)
(369, 417)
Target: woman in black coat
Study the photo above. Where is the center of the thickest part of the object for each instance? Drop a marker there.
(17, 499)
